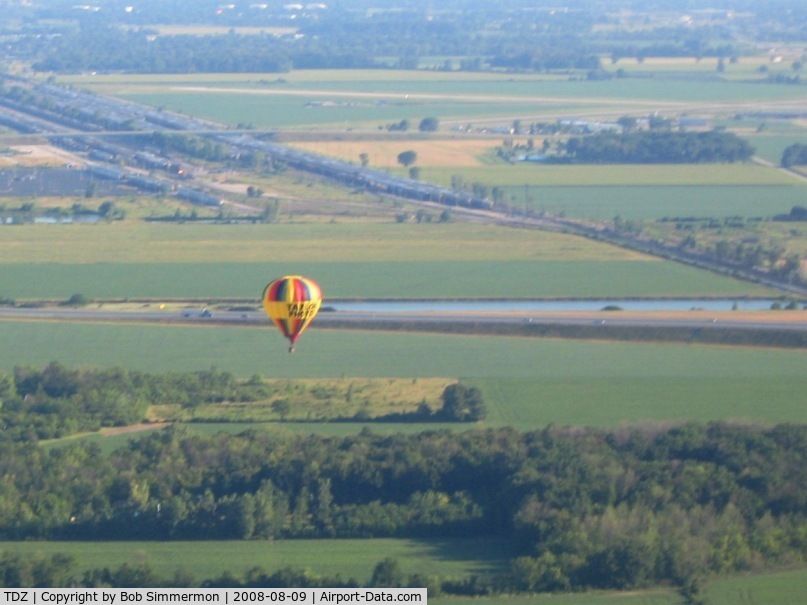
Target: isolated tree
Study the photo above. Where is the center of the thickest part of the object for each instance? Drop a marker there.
(364, 158)
(387, 574)
(77, 300)
(107, 209)
(281, 407)
(462, 403)
(407, 158)
(794, 155)
(429, 125)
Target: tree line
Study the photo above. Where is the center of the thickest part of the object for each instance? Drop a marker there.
(582, 508)
(516, 36)
(57, 401)
(61, 571)
(652, 147)
(395, 42)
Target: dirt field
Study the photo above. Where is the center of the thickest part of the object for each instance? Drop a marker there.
(432, 153)
(38, 155)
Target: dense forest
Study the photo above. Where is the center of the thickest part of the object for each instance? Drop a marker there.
(582, 508)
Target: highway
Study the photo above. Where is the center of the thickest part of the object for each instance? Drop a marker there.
(792, 321)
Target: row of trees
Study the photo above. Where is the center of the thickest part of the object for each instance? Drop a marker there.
(581, 508)
(756, 256)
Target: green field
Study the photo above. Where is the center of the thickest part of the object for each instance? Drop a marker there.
(603, 201)
(379, 97)
(771, 143)
(782, 588)
(455, 260)
(650, 203)
(614, 175)
(356, 558)
(135, 242)
(528, 382)
(633, 597)
(455, 558)
(350, 558)
(403, 280)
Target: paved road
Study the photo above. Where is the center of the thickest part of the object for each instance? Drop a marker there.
(715, 321)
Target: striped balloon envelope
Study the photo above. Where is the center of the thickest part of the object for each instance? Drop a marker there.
(292, 302)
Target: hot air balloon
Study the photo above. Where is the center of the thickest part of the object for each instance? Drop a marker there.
(292, 302)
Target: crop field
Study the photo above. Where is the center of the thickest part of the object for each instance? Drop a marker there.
(389, 280)
(306, 109)
(134, 242)
(655, 202)
(209, 262)
(350, 98)
(530, 382)
(638, 175)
